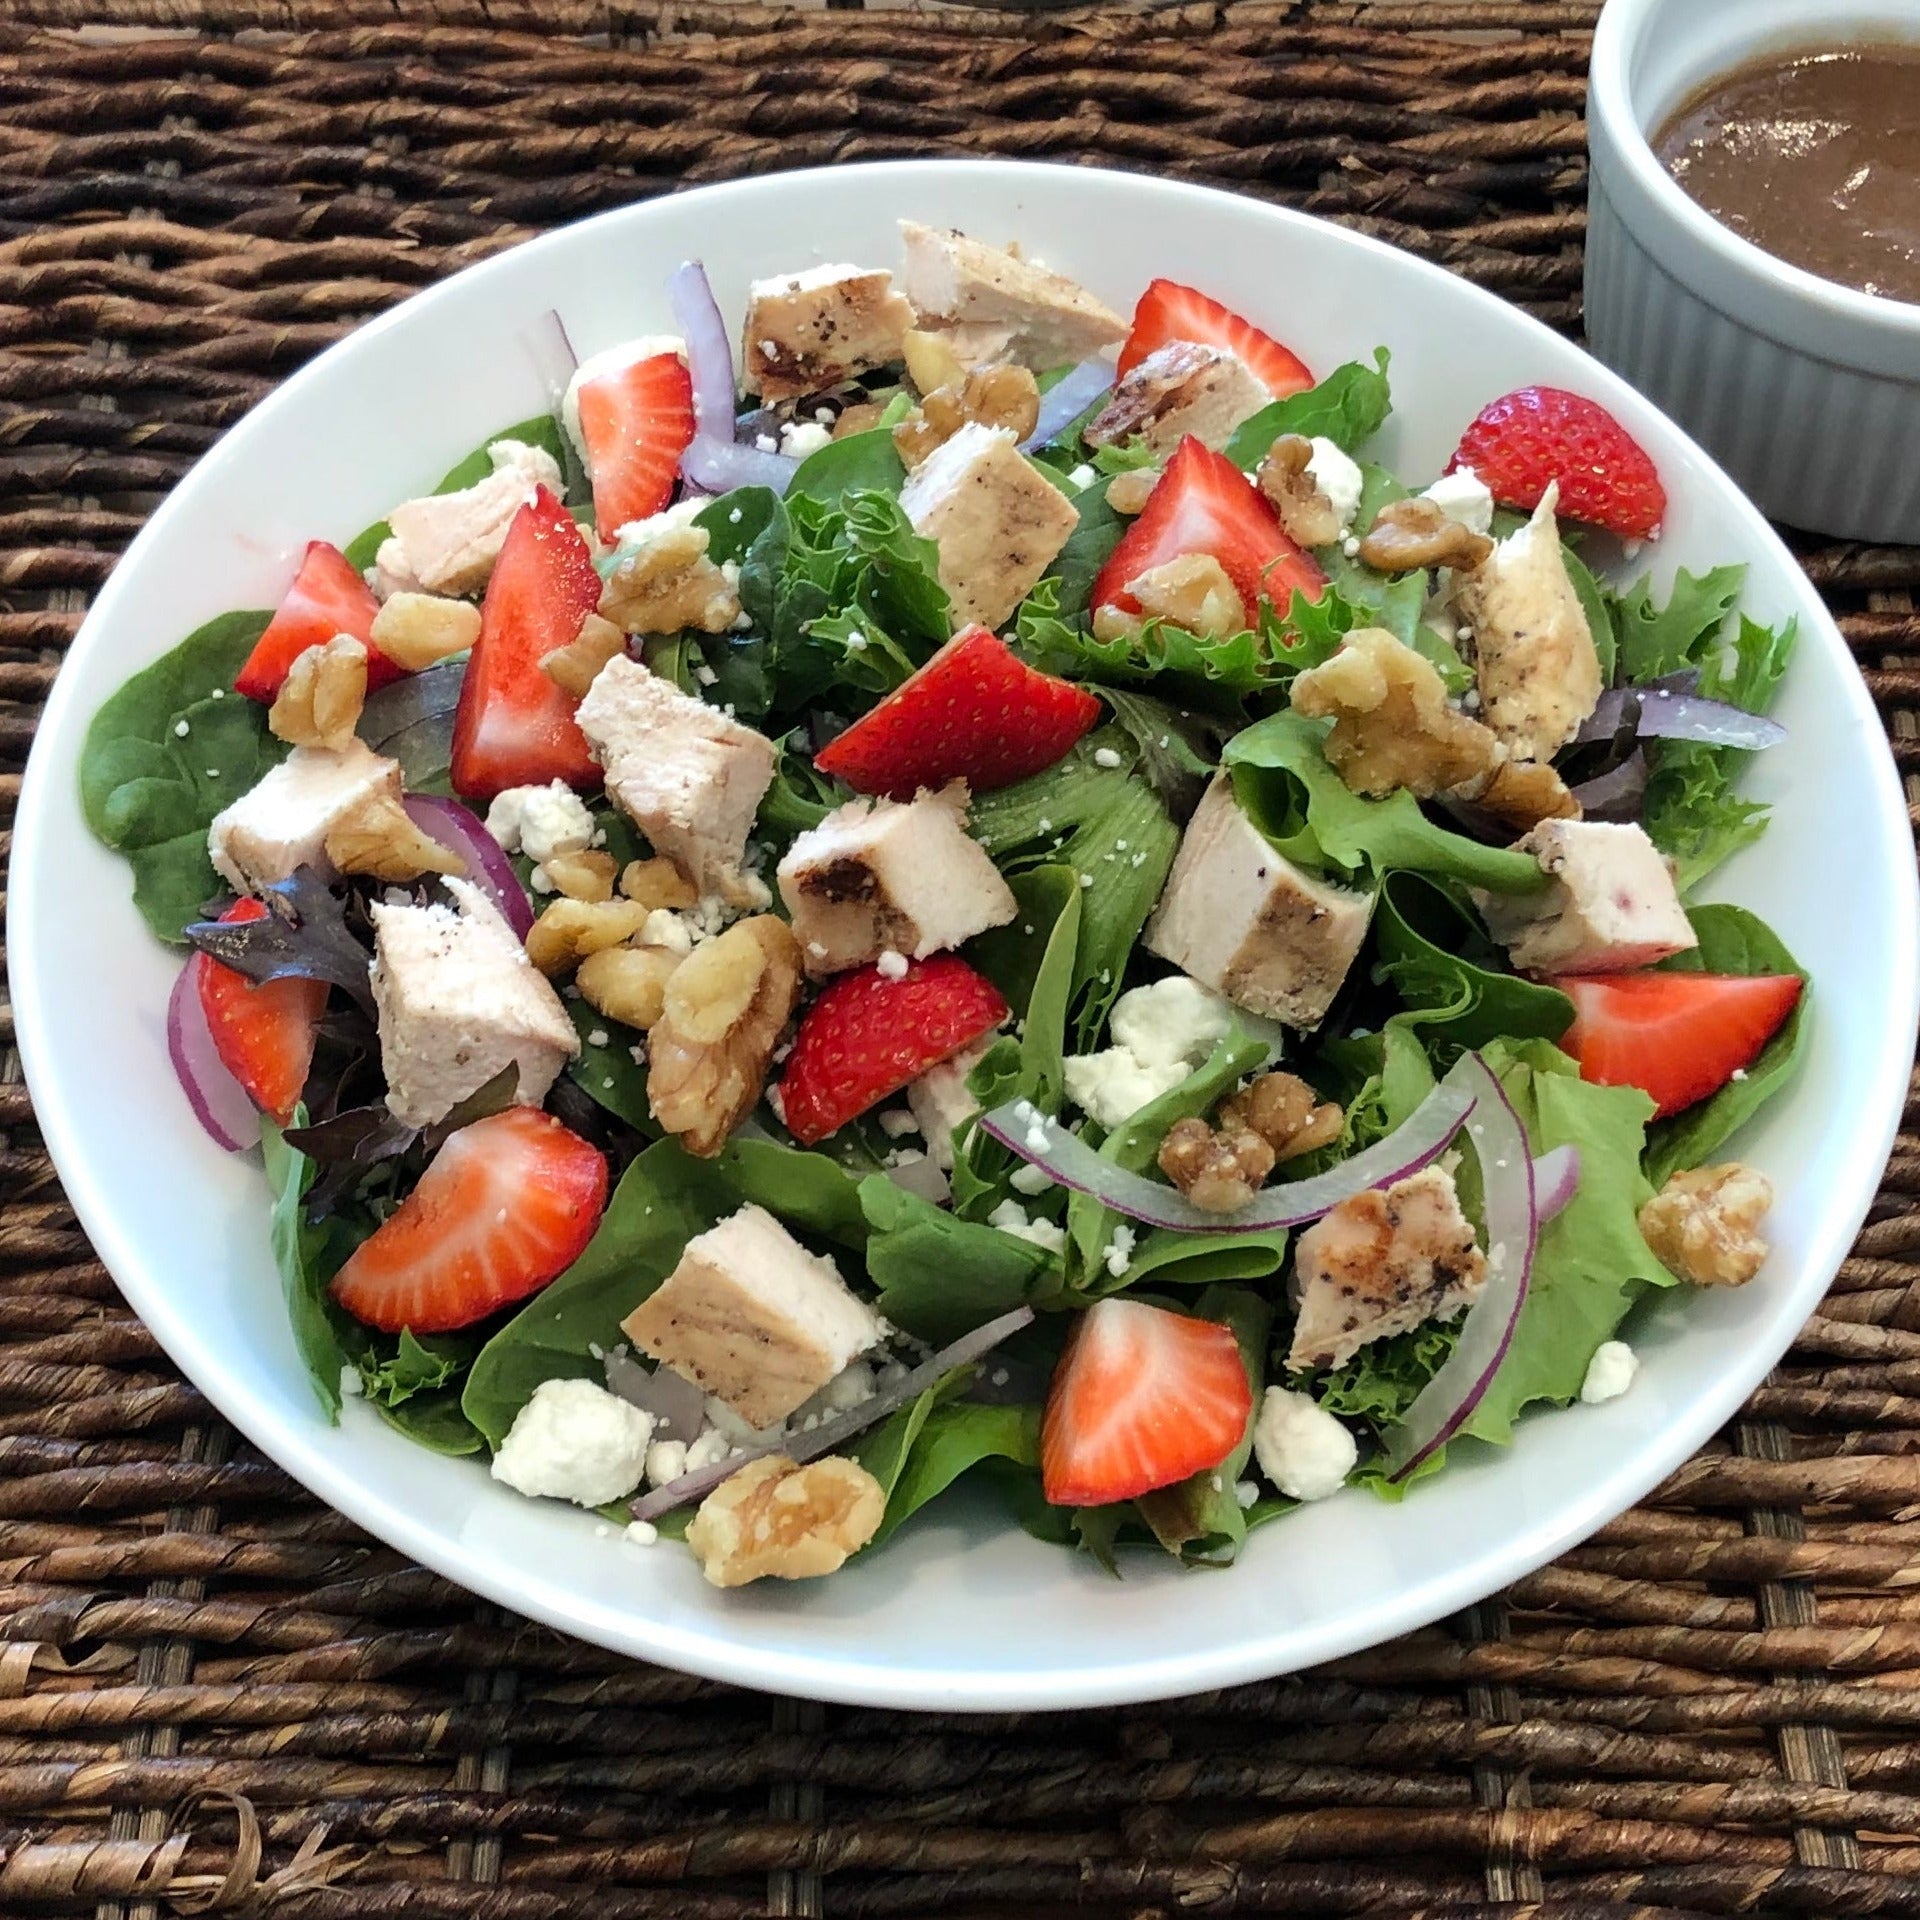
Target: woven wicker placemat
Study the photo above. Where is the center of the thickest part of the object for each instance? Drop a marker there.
(217, 1696)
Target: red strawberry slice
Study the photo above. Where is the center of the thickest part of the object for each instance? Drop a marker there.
(1677, 1036)
(1142, 1398)
(1203, 503)
(636, 422)
(504, 1206)
(868, 1035)
(263, 1032)
(1169, 311)
(514, 727)
(327, 597)
(972, 713)
(1524, 441)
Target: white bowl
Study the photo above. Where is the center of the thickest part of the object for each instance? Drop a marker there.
(962, 1610)
(1807, 392)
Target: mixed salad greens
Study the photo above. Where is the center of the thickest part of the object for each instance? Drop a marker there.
(975, 912)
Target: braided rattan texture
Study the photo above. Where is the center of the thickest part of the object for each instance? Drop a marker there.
(215, 1696)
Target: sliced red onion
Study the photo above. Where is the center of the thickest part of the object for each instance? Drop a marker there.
(218, 1100)
(1617, 794)
(1070, 1162)
(802, 1447)
(464, 833)
(677, 1405)
(1556, 1179)
(709, 352)
(718, 466)
(1067, 399)
(553, 355)
(1444, 1404)
(1669, 715)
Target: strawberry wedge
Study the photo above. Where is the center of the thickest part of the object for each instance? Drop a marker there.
(514, 727)
(972, 713)
(636, 421)
(1168, 311)
(868, 1035)
(1203, 503)
(504, 1206)
(327, 597)
(264, 1031)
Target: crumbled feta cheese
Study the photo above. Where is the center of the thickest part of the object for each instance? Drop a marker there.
(1338, 476)
(1083, 475)
(1462, 495)
(181, 729)
(1011, 1218)
(351, 1386)
(1030, 1179)
(708, 1450)
(802, 437)
(1246, 1492)
(575, 1441)
(1610, 1372)
(599, 1037)
(1350, 546)
(897, 1122)
(1117, 1256)
(704, 674)
(1301, 1447)
(1160, 1034)
(665, 928)
(892, 965)
(666, 1461)
(541, 821)
(642, 1533)
(1105, 757)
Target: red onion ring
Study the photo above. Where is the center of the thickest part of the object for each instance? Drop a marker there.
(463, 833)
(1067, 399)
(1068, 1161)
(553, 355)
(1556, 1179)
(709, 351)
(719, 466)
(1669, 715)
(677, 1405)
(218, 1100)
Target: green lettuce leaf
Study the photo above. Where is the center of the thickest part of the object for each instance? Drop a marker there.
(1656, 639)
(308, 1256)
(1348, 407)
(919, 1452)
(940, 1276)
(865, 462)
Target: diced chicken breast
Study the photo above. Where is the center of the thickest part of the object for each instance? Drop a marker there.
(1381, 1263)
(283, 822)
(448, 542)
(998, 523)
(1179, 389)
(1242, 919)
(754, 1318)
(886, 876)
(689, 777)
(807, 332)
(458, 1002)
(1534, 657)
(957, 282)
(940, 1102)
(1609, 904)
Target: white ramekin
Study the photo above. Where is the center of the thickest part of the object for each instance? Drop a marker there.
(1808, 393)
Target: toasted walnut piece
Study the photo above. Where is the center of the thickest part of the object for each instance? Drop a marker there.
(1192, 591)
(569, 930)
(379, 839)
(414, 630)
(1705, 1224)
(1285, 1112)
(665, 583)
(1522, 793)
(319, 702)
(582, 876)
(574, 667)
(715, 985)
(657, 883)
(1420, 533)
(991, 397)
(1218, 1171)
(775, 1520)
(862, 417)
(1306, 514)
(931, 360)
(1392, 726)
(628, 984)
(1129, 492)
(702, 1089)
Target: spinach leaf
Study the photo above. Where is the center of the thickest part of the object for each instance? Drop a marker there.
(1012, 956)
(940, 1276)
(606, 1070)
(1394, 601)
(952, 1439)
(1283, 779)
(1731, 941)
(166, 752)
(860, 463)
(1089, 547)
(306, 1258)
(1598, 608)
(1348, 407)
(434, 1420)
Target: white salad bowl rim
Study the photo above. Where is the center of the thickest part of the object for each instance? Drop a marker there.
(879, 1645)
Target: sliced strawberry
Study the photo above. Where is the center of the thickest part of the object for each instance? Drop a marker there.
(1677, 1036)
(514, 727)
(1203, 503)
(327, 597)
(504, 1206)
(1169, 311)
(972, 713)
(868, 1035)
(263, 1032)
(1524, 441)
(636, 422)
(1141, 1398)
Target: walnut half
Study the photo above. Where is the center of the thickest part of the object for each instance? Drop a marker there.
(1192, 591)
(723, 1012)
(1286, 1113)
(993, 396)
(1305, 512)
(776, 1520)
(1219, 1172)
(379, 839)
(319, 701)
(1420, 533)
(1705, 1224)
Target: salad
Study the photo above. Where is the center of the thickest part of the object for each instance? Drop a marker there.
(973, 892)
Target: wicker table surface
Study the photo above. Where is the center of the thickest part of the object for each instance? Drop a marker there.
(217, 1696)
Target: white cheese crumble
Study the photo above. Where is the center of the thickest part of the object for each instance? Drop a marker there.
(1301, 1447)
(1160, 1032)
(1610, 1372)
(801, 437)
(1462, 495)
(666, 1461)
(1010, 1217)
(1117, 1255)
(642, 1533)
(575, 1441)
(1338, 476)
(1030, 1179)
(892, 965)
(541, 821)
(1105, 757)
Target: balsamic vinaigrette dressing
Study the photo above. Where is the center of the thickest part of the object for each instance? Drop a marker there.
(1813, 154)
